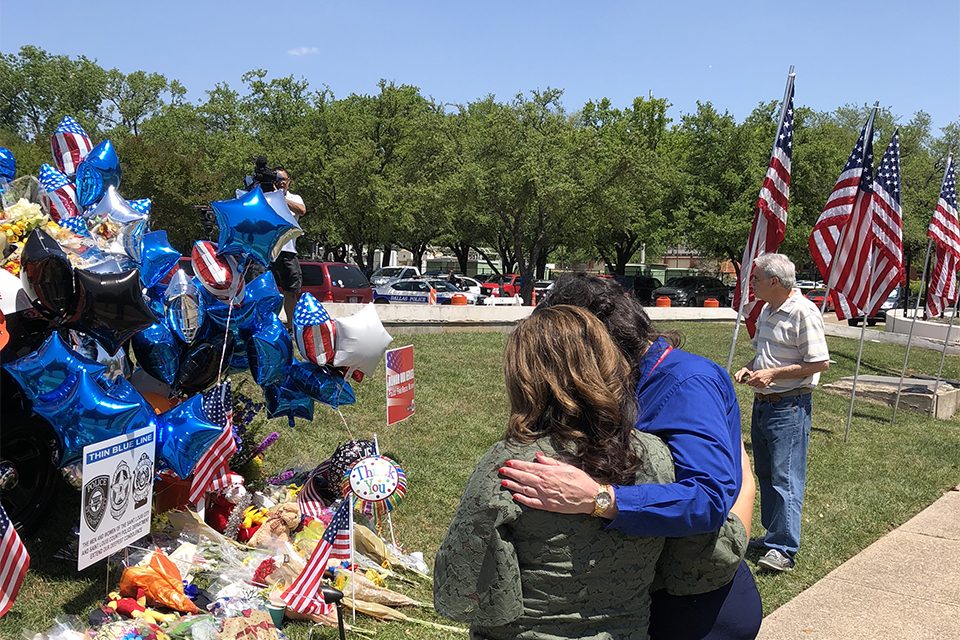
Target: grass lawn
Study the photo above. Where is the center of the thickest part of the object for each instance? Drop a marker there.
(856, 491)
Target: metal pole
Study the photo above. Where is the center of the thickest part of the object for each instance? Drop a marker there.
(868, 133)
(913, 323)
(856, 371)
(943, 355)
(747, 266)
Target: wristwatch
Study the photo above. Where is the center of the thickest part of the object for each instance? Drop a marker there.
(603, 500)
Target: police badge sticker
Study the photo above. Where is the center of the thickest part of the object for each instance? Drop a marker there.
(142, 481)
(95, 501)
(120, 490)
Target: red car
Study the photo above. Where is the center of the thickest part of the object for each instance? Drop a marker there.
(510, 282)
(816, 297)
(335, 282)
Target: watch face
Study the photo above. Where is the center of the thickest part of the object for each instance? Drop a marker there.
(603, 499)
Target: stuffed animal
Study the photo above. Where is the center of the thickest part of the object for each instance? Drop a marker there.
(127, 607)
(281, 521)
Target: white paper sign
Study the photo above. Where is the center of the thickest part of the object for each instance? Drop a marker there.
(117, 494)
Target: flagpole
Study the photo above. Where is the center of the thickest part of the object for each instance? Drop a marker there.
(856, 371)
(846, 227)
(747, 266)
(943, 355)
(913, 323)
(353, 561)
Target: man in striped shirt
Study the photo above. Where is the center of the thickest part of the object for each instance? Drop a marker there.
(791, 354)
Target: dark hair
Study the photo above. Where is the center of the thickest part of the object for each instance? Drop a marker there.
(618, 309)
(567, 380)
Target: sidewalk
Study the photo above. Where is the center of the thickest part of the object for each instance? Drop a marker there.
(840, 329)
(905, 586)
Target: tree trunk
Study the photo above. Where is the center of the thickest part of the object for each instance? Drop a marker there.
(358, 256)
(462, 251)
(734, 259)
(370, 251)
(542, 265)
(487, 259)
(418, 252)
(385, 258)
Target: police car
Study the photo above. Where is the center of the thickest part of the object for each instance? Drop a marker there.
(415, 291)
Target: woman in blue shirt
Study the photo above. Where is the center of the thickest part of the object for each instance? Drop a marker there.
(689, 402)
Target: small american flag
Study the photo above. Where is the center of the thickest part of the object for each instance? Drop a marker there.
(849, 205)
(70, 144)
(770, 220)
(944, 230)
(303, 595)
(887, 221)
(309, 499)
(60, 193)
(316, 332)
(14, 562)
(213, 468)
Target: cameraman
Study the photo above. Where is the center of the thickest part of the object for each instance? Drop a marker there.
(286, 268)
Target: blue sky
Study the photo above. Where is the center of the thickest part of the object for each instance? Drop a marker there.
(735, 54)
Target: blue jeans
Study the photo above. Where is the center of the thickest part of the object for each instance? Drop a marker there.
(780, 432)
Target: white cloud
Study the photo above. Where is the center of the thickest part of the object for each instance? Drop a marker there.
(303, 51)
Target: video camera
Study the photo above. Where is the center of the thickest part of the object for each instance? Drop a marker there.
(262, 175)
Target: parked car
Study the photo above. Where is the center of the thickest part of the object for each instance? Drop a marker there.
(643, 288)
(408, 291)
(691, 291)
(383, 275)
(472, 285)
(508, 284)
(816, 297)
(446, 289)
(335, 282)
(541, 287)
(893, 301)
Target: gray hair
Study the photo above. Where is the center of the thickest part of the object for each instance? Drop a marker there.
(779, 266)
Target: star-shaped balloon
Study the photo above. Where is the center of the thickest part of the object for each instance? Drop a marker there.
(249, 225)
(361, 341)
(47, 368)
(98, 171)
(157, 257)
(264, 294)
(185, 434)
(8, 165)
(269, 351)
(321, 384)
(284, 400)
(186, 309)
(113, 206)
(46, 273)
(82, 413)
(110, 306)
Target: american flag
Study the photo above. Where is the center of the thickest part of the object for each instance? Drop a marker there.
(887, 217)
(70, 144)
(77, 224)
(60, 193)
(846, 218)
(213, 468)
(14, 562)
(944, 230)
(316, 333)
(303, 595)
(309, 499)
(770, 219)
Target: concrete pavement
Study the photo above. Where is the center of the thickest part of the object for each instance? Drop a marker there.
(905, 586)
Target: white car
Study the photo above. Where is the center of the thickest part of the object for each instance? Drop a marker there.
(383, 275)
(416, 291)
(446, 289)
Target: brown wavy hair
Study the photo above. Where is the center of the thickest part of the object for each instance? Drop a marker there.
(567, 380)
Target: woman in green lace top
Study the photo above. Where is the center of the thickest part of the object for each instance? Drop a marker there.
(513, 572)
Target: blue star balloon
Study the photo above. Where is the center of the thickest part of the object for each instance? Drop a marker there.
(185, 434)
(131, 239)
(8, 165)
(240, 316)
(46, 369)
(283, 400)
(239, 363)
(121, 389)
(263, 292)
(98, 171)
(142, 205)
(269, 351)
(157, 352)
(186, 307)
(321, 384)
(82, 413)
(250, 226)
(157, 258)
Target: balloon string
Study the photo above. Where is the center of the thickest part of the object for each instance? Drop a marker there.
(345, 425)
(226, 337)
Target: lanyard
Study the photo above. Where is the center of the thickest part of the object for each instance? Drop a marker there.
(657, 363)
